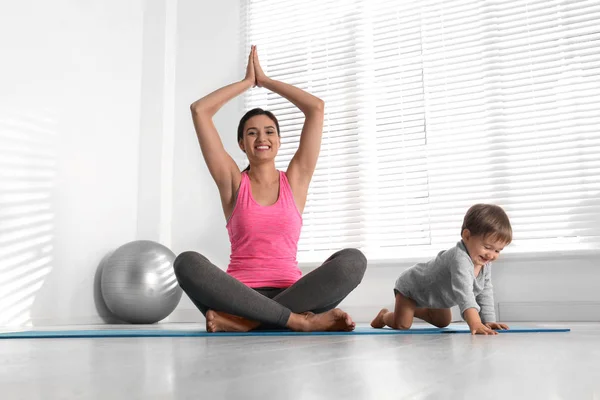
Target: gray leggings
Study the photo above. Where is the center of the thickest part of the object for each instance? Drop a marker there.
(210, 288)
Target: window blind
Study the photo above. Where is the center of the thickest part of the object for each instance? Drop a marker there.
(434, 106)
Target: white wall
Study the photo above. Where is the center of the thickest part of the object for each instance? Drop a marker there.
(157, 121)
(70, 84)
(97, 148)
(544, 287)
(207, 58)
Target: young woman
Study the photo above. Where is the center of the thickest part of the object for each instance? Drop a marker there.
(263, 287)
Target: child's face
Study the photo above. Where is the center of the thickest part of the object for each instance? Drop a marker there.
(482, 249)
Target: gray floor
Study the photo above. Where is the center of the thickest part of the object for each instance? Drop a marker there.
(456, 366)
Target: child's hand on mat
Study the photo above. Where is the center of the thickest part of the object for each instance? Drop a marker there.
(481, 329)
(496, 325)
(258, 72)
(250, 75)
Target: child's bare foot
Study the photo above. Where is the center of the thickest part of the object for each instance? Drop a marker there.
(222, 322)
(378, 321)
(332, 320)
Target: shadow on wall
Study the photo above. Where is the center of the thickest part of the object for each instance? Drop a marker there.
(27, 221)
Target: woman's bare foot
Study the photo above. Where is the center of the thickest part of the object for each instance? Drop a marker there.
(378, 321)
(223, 322)
(332, 320)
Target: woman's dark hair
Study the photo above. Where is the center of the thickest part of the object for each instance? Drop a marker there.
(252, 113)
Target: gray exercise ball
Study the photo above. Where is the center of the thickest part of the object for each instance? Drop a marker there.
(138, 283)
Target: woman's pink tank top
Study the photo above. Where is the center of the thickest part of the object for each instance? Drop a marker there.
(264, 239)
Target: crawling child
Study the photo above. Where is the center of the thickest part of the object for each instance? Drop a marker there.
(459, 276)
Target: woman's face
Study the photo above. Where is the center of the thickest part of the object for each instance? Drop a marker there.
(261, 141)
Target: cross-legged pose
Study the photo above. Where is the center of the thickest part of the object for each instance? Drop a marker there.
(263, 286)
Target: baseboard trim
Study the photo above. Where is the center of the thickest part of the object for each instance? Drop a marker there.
(549, 311)
(185, 315)
(359, 314)
(78, 320)
(515, 311)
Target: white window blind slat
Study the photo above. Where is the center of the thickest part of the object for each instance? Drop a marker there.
(434, 106)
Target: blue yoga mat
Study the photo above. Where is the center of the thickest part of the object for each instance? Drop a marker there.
(104, 333)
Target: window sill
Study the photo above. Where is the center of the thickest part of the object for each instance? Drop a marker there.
(506, 256)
